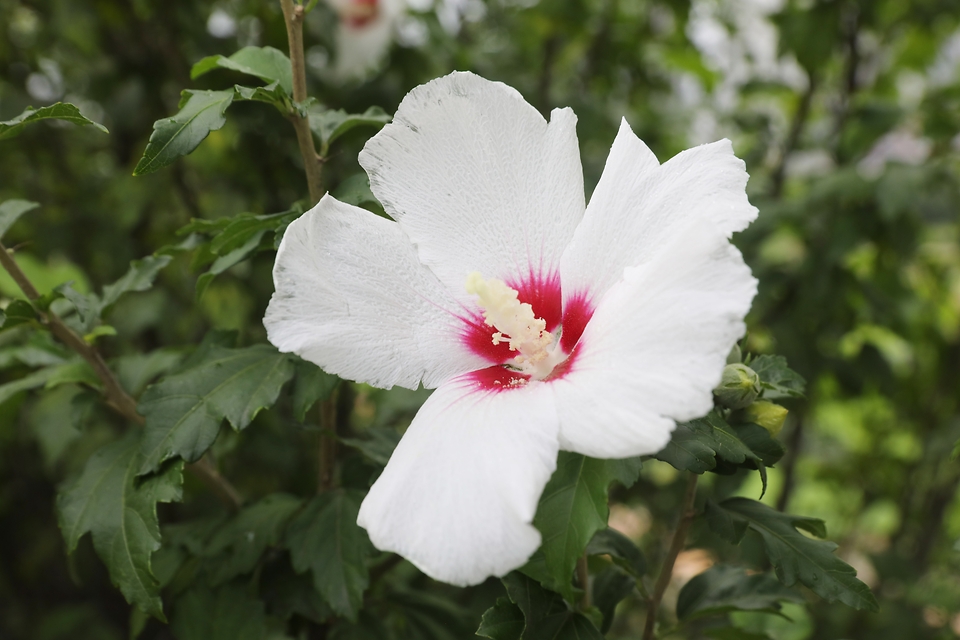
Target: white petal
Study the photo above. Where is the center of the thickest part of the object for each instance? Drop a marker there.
(655, 348)
(459, 494)
(478, 179)
(639, 206)
(352, 297)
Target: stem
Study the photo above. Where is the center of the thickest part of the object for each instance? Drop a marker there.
(687, 514)
(583, 577)
(116, 397)
(312, 163)
(327, 455)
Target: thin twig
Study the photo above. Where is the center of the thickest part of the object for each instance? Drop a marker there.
(312, 163)
(114, 394)
(687, 514)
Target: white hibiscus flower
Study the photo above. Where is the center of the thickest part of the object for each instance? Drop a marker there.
(544, 324)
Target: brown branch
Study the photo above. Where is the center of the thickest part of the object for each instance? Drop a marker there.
(312, 163)
(687, 514)
(114, 395)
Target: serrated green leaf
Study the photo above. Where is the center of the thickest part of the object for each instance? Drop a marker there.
(723, 588)
(224, 262)
(325, 539)
(311, 385)
(610, 587)
(59, 111)
(546, 615)
(229, 613)
(180, 134)
(11, 210)
(266, 63)
(273, 94)
(620, 548)
(139, 277)
(184, 410)
(626, 471)
(328, 125)
(18, 312)
(502, 621)
(777, 379)
(794, 556)
(572, 508)
(120, 512)
(237, 546)
(240, 229)
(430, 617)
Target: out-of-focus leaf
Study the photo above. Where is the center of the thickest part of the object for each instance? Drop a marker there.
(378, 445)
(200, 113)
(79, 372)
(184, 410)
(311, 385)
(32, 381)
(59, 111)
(328, 125)
(610, 587)
(734, 633)
(17, 312)
(11, 210)
(229, 613)
(325, 539)
(620, 548)
(120, 512)
(288, 593)
(266, 63)
(777, 379)
(502, 621)
(546, 615)
(794, 557)
(723, 588)
(139, 277)
(237, 546)
(430, 617)
(355, 190)
(137, 370)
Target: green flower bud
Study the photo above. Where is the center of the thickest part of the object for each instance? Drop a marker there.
(768, 415)
(739, 386)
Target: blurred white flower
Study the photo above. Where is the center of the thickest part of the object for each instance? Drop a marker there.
(897, 146)
(221, 24)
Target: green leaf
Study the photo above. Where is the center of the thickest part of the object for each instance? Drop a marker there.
(325, 539)
(572, 508)
(378, 445)
(79, 372)
(11, 210)
(287, 593)
(311, 385)
(179, 135)
(777, 379)
(621, 549)
(120, 512)
(273, 94)
(722, 589)
(58, 111)
(184, 410)
(328, 125)
(355, 190)
(795, 557)
(734, 633)
(546, 615)
(32, 381)
(137, 370)
(17, 312)
(229, 613)
(266, 63)
(609, 588)
(502, 621)
(695, 445)
(236, 547)
(139, 277)
(430, 617)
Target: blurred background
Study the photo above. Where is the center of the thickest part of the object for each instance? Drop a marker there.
(847, 113)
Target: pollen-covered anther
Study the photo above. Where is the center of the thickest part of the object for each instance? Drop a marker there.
(516, 324)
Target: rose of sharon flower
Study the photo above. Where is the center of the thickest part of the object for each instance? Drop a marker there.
(544, 324)
(363, 35)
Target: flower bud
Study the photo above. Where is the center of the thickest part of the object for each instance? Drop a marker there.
(739, 386)
(768, 415)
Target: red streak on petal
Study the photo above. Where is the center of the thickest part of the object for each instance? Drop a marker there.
(360, 13)
(542, 292)
(497, 379)
(564, 367)
(576, 315)
(479, 338)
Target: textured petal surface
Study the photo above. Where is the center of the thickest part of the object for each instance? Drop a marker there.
(352, 297)
(655, 348)
(639, 206)
(459, 494)
(478, 179)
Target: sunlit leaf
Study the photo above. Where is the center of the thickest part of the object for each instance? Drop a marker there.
(200, 113)
(266, 63)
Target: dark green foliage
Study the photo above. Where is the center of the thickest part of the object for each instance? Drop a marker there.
(11, 210)
(723, 588)
(624, 553)
(546, 615)
(328, 125)
(795, 557)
